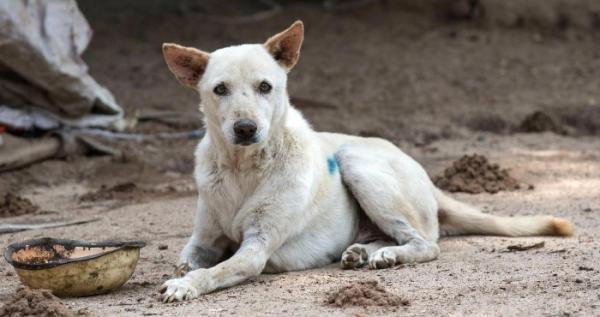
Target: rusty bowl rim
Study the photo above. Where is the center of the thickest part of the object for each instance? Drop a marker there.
(13, 247)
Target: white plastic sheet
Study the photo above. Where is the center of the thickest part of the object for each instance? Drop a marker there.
(41, 70)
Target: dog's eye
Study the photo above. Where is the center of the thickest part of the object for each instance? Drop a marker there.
(221, 89)
(264, 87)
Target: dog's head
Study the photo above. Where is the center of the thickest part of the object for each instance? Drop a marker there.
(243, 88)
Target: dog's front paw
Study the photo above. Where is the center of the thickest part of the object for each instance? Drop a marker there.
(382, 259)
(178, 289)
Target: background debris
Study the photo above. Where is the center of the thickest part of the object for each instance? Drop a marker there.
(521, 247)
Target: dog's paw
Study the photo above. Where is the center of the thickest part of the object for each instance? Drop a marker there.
(354, 257)
(382, 259)
(178, 289)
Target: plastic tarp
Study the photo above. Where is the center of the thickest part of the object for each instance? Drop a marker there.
(44, 83)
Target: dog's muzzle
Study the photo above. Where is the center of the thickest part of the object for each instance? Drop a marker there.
(245, 132)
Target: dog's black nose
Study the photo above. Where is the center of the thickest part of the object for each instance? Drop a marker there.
(244, 129)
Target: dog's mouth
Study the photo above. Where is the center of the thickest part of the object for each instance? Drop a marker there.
(246, 142)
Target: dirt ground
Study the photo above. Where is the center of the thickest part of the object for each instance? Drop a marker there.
(438, 82)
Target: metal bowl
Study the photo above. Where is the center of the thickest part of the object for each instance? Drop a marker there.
(74, 268)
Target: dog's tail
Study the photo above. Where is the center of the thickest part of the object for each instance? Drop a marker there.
(458, 218)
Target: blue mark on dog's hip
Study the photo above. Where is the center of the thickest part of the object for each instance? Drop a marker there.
(332, 164)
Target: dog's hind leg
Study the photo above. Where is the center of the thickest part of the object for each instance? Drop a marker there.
(415, 250)
(411, 248)
(396, 195)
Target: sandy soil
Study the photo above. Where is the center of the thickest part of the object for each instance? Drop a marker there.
(438, 87)
(473, 276)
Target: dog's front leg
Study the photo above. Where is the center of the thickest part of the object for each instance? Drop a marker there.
(270, 218)
(247, 262)
(206, 245)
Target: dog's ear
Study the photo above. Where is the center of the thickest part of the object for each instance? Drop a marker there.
(186, 63)
(285, 46)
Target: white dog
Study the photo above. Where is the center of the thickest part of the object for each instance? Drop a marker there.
(288, 198)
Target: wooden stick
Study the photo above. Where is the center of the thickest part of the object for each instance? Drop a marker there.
(10, 228)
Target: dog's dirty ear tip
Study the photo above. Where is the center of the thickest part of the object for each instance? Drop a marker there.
(168, 46)
(298, 23)
(296, 28)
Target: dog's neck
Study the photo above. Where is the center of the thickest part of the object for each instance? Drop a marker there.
(252, 157)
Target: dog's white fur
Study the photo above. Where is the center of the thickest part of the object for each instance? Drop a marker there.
(299, 199)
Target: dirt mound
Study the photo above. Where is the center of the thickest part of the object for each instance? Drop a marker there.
(13, 205)
(27, 302)
(474, 174)
(541, 122)
(364, 294)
